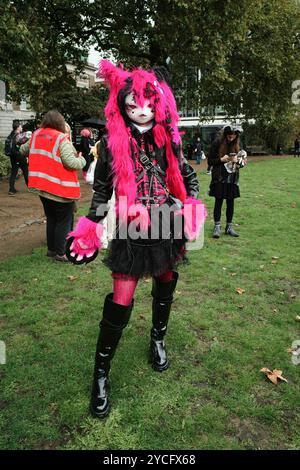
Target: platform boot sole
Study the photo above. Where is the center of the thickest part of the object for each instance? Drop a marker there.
(161, 368)
(100, 415)
(155, 366)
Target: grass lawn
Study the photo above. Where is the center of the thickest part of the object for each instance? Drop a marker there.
(214, 395)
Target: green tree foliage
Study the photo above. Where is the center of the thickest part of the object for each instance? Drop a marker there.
(35, 48)
(76, 103)
(4, 162)
(247, 51)
(282, 131)
(263, 65)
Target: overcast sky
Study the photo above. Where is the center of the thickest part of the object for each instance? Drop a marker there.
(94, 57)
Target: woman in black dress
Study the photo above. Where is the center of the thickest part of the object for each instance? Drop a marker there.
(226, 158)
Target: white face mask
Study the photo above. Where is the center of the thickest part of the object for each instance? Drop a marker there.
(140, 115)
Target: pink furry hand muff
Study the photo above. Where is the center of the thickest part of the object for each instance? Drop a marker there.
(85, 241)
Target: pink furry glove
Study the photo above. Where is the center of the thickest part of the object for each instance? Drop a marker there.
(194, 213)
(84, 242)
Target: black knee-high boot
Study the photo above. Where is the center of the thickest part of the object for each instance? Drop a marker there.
(162, 293)
(115, 319)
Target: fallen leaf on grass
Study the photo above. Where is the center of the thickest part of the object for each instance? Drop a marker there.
(275, 257)
(293, 296)
(293, 205)
(275, 310)
(72, 278)
(294, 351)
(297, 317)
(262, 266)
(274, 261)
(233, 274)
(35, 279)
(239, 290)
(146, 280)
(274, 375)
(178, 292)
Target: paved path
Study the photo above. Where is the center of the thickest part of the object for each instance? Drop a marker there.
(22, 221)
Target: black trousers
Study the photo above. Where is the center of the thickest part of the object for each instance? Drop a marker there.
(60, 217)
(17, 163)
(229, 210)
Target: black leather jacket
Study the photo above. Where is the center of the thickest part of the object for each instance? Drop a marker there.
(103, 180)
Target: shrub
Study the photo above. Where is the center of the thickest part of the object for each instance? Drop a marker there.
(4, 162)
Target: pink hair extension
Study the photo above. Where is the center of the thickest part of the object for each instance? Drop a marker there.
(114, 76)
(118, 135)
(160, 135)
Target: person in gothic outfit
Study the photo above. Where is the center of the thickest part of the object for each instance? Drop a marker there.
(140, 158)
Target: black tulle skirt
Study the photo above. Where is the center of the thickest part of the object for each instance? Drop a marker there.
(142, 258)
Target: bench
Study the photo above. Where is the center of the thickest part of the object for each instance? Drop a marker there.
(256, 150)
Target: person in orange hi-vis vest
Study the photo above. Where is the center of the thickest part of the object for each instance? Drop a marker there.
(53, 163)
